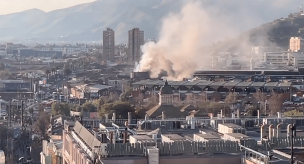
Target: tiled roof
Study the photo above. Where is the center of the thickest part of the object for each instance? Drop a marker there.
(170, 111)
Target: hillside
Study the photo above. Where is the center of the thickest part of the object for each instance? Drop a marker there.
(86, 22)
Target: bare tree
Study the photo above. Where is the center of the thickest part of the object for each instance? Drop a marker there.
(190, 99)
(42, 123)
(260, 96)
(276, 102)
(231, 98)
(216, 96)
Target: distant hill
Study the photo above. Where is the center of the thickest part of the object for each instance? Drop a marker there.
(86, 22)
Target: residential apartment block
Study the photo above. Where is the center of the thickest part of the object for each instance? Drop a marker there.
(109, 44)
(136, 40)
(296, 44)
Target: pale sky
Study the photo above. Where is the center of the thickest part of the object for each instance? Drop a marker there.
(11, 6)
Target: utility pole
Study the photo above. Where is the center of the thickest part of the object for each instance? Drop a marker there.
(293, 134)
(10, 113)
(22, 124)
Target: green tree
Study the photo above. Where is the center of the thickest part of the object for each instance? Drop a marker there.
(61, 109)
(42, 123)
(89, 107)
(293, 113)
(120, 108)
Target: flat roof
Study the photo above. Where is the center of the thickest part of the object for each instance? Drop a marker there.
(142, 137)
(237, 135)
(207, 136)
(173, 136)
(230, 125)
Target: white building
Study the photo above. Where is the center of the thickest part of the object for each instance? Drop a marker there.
(70, 50)
(120, 85)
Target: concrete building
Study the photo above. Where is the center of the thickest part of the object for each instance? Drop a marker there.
(296, 44)
(205, 137)
(235, 137)
(119, 84)
(136, 40)
(109, 44)
(230, 128)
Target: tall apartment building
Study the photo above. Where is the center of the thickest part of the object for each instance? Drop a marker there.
(136, 40)
(109, 44)
(296, 44)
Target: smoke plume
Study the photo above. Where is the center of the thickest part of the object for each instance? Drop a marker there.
(183, 42)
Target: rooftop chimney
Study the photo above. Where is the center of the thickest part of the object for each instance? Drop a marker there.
(129, 117)
(114, 117)
(263, 131)
(289, 130)
(270, 132)
(125, 136)
(146, 117)
(163, 115)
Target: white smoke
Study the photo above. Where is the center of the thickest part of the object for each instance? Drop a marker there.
(181, 48)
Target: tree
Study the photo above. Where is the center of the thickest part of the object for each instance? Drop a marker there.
(276, 102)
(231, 98)
(61, 109)
(42, 123)
(124, 96)
(260, 96)
(216, 96)
(120, 108)
(89, 107)
(293, 113)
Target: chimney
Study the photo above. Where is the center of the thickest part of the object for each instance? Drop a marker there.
(192, 123)
(289, 130)
(114, 117)
(270, 131)
(222, 113)
(279, 115)
(114, 138)
(106, 117)
(146, 117)
(258, 113)
(95, 134)
(125, 135)
(278, 130)
(129, 117)
(238, 113)
(111, 137)
(103, 138)
(163, 115)
(263, 131)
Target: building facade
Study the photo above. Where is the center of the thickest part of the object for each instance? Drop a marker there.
(136, 40)
(109, 44)
(296, 44)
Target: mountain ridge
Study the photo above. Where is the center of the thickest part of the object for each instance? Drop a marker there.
(85, 22)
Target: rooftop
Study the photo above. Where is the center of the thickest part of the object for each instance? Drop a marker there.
(237, 135)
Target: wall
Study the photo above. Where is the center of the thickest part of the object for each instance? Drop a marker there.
(180, 160)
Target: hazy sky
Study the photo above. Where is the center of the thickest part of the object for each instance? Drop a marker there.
(11, 6)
